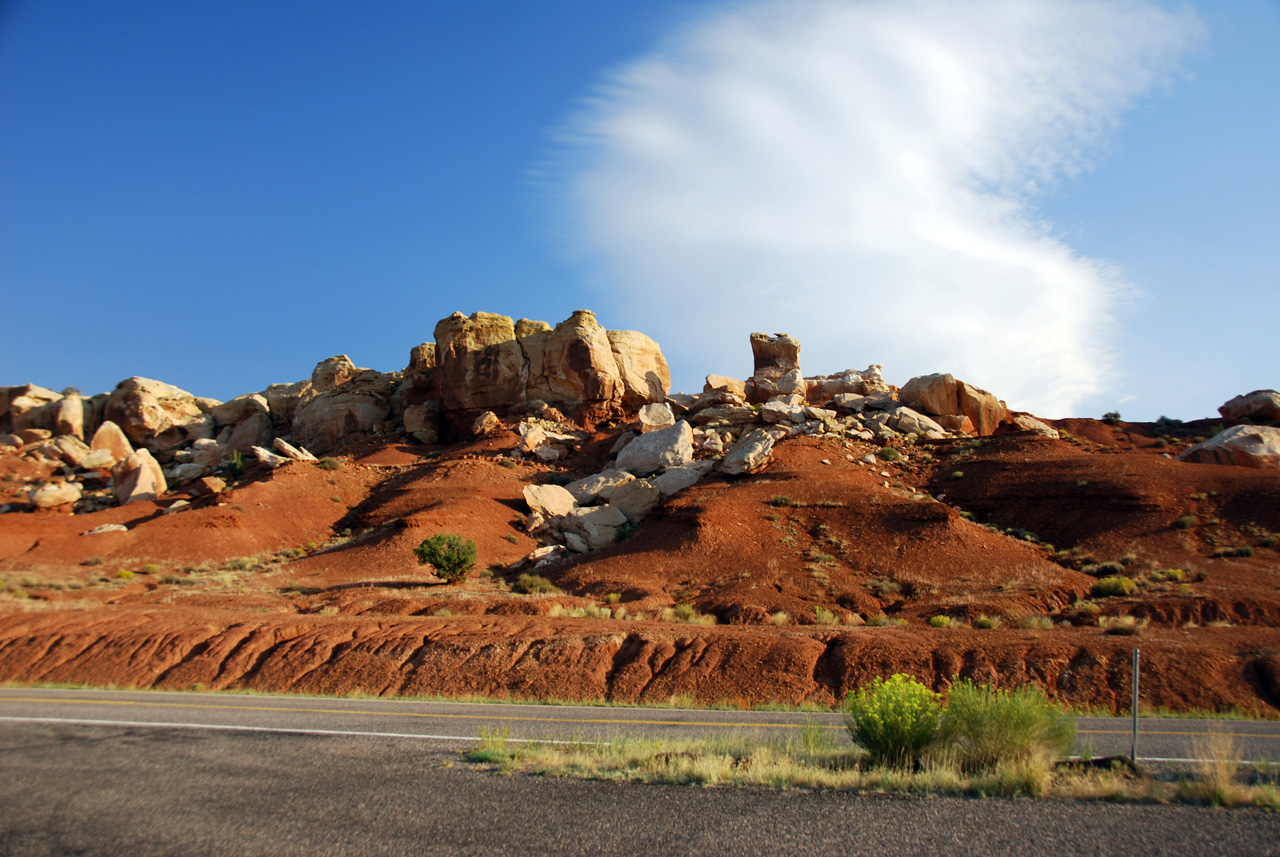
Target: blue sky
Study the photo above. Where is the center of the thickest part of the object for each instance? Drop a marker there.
(220, 195)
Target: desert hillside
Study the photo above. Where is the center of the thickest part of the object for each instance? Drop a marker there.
(778, 538)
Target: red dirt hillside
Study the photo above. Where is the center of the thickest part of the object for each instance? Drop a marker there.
(765, 545)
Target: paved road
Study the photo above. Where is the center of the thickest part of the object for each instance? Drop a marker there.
(149, 790)
(1159, 738)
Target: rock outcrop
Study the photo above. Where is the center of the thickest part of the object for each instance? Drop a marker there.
(1243, 446)
(349, 413)
(942, 394)
(1258, 405)
(157, 415)
(777, 367)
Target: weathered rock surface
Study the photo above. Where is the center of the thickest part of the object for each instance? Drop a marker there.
(596, 525)
(578, 365)
(777, 367)
(139, 477)
(675, 479)
(54, 494)
(599, 486)
(479, 363)
(1243, 446)
(942, 394)
(1258, 405)
(109, 437)
(654, 416)
(255, 429)
(642, 368)
(355, 411)
(156, 415)
(636, 499)
(658, 450)
(750, 454)
(332, 373)
(550, 501)
(1026, 422)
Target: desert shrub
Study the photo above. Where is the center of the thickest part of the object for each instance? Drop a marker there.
(1108, 569)
(1113, 586)
(883, 621)
(1243, 550)
(235, 464)
(957, 474)
(1111, 417)
(534, 584)
(124, 574)
(151, 568)
(883, 587)
(1186, 522)
(93, 560)
(1121, 626)
(897, 721)
(1033, 622)
(888, 453)
(824, 617)
(940, 622)
(986, 727)
(512, 537)
(449, 554)
(613, 597)
(986, 623)
(782, 500)
(684, 612)
(328, 463)
(782, 617)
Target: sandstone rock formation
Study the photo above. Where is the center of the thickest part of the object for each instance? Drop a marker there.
(641, 366)
(139, 477)
(777, 367)
(1243, 446)
(1258, 405)
(658, 450)
(157, 415)
(479, 363)
(351, 412)
(943, 395)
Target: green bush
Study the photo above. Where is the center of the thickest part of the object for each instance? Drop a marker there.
(822, 616)
(1109, 586)
(897, 721)
(986, 623)
(888, 453)
(984, 726)
(940, 622)
(449, 554)
(328, 463)
(1186, 522)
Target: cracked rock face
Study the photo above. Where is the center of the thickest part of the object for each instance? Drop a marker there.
(1243, 446)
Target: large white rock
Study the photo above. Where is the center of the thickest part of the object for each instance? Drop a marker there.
(658, 450)
(636, 499)
(110, 437)
(139, 477)
(290, 451)
(207, 453)
(71, 449)
(53, 494)
(269, 458)
(656, 415)
(1025, 422)
(597, 525)
(676, 479)
(908, 421)
(550, 501)
(254, 430)
(599, 486)
(1258, 405)
(1243, 446)
(751, 452)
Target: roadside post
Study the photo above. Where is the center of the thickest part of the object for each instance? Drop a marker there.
(1133, 749)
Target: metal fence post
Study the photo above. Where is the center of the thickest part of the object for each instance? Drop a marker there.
(1133, 750)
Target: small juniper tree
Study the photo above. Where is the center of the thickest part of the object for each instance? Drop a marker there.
(449, 554)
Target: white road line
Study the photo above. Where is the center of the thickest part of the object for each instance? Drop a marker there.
(228, 728)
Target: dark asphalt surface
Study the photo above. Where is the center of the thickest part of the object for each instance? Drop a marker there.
(1159, 738)
(148, 790)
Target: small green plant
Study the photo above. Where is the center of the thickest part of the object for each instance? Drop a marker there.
(124, 574)
(782, 500)
(1186, 522)
(684, 612)
(449, 554)
(883, 587)
(613, 597)
(1109, 587)
(986, 623)
(492, 747)
(534, 584)
(239, 564)
(1121, 626)
(957, 474)
(443, 613)
(888, 453)
(883, 621)
(780, 618)
(328, 463)
(1226, 553)
(940, 622)
(150, 568)
(512, 537)
(1108, 569)
(235, 464)
(896, 720)
(822, 616)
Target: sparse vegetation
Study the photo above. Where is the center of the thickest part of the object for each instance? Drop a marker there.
(822, 616)
(780, 618)
(328, 463)
(512, 537)
(940, 622)
(1121, 626)
(986, 623)
(888, 453)
(1186, 522)
(1230, 552)
(1109, 587)
(449, 554)
(896, 720)
(124, 574)
(534, 584)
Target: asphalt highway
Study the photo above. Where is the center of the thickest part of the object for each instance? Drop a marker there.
(1158, 739)
(122, 773)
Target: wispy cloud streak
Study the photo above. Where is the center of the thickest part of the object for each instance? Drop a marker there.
(864, 175)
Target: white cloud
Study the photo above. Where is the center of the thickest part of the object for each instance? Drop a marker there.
(861, 175)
